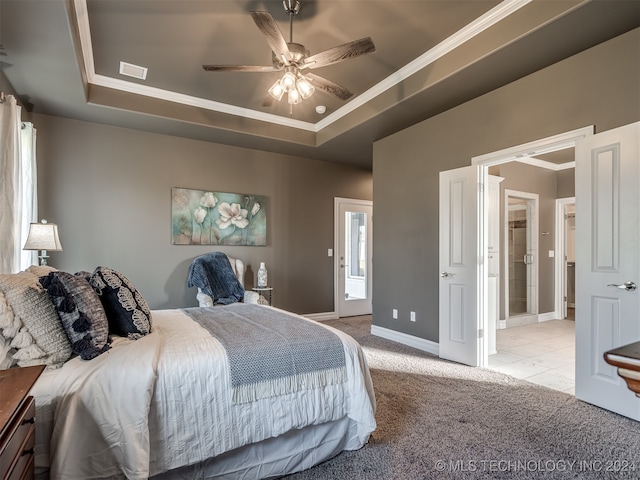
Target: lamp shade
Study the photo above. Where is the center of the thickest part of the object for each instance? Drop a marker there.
(43, 236)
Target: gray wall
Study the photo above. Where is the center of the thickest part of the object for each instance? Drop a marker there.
(566, 186)
(596, 87)
(109, 190)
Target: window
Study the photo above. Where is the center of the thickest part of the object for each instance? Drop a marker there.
(18, 184)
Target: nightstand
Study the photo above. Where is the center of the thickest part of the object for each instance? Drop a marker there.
(627, 359)
(17, 422)
(265, 294)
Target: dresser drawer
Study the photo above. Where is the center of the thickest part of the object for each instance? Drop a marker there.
(24, 467)
(17, 449)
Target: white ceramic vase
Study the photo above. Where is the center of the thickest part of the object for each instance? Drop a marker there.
(262, 276)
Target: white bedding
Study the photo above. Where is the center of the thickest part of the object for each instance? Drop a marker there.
(163, 402)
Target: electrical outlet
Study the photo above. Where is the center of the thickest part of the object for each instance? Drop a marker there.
(394, 313)
(413, 316)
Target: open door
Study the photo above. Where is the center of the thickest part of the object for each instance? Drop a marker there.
(462, 279)
(607, 263)
(354, 241)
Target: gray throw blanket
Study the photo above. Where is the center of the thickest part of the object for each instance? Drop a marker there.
(272, 353)
(212, 273)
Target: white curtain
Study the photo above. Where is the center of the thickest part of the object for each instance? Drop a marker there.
(18, 187)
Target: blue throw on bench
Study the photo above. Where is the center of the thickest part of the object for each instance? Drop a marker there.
(212, 273)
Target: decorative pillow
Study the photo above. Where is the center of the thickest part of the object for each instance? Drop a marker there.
(30, 324)
(81, 313)
(41, 270)
(128, 312)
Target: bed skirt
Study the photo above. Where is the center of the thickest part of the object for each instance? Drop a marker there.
(292, 452)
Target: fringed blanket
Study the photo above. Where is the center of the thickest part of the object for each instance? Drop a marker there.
(271, 352)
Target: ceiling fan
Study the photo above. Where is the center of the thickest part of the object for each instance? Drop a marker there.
(295, 60)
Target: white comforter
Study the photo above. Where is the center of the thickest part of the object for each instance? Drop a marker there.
(163, 402)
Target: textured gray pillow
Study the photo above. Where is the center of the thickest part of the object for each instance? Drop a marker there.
(30, 323)
(80, 311)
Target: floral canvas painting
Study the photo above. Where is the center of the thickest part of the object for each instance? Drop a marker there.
(200, 217)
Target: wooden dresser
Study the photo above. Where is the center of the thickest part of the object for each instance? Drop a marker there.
(17, 422)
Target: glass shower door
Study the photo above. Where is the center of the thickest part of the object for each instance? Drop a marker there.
(522, 256)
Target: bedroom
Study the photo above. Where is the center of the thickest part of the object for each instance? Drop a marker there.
(123, 177)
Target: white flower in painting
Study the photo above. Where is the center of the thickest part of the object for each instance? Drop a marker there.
(255, 209)
(200, 213)
(232, 215)
(208, 200)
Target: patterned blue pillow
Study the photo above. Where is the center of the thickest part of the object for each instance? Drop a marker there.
(81, 312)
(127, 311)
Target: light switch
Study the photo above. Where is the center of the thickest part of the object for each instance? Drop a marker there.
(330, 252)
(552, 254)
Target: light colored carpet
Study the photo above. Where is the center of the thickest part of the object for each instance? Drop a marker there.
(441, 420)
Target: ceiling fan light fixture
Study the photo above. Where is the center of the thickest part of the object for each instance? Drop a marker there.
(288, 81)
(276, 90)
(294, 97)
(304, 87)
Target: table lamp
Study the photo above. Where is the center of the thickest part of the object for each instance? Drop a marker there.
(43, 236)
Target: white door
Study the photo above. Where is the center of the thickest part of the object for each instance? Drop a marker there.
(462, 281)
(354, 222)
(607, 254)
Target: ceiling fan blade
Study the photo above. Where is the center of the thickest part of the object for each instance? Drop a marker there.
(329, 86)
(239, 68)
(340, 53)
(269, 28)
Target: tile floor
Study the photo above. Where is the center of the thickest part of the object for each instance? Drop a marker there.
(542, 353)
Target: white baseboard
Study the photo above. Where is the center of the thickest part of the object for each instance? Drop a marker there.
(545, 317)
(321, 317)
(405, 339)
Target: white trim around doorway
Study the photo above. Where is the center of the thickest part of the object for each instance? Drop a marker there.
(519, 152)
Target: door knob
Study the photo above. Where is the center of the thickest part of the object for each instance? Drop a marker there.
(446, 274)
(628, 286)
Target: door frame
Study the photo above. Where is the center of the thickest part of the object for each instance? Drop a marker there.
(337, 220)
(561, 253)
(533, 234)
(518, 152)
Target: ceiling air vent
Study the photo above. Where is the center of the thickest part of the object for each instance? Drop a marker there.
(133, 70)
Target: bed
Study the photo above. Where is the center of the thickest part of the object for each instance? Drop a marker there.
(171, 404)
